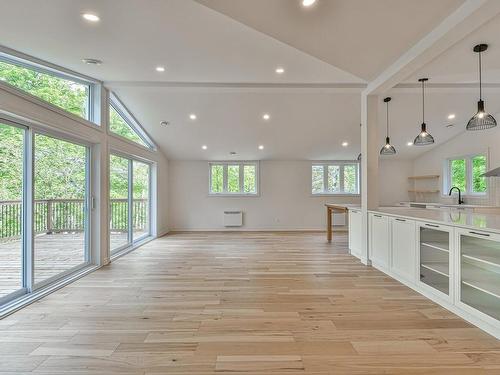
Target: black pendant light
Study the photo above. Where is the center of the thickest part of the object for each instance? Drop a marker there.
(481, 120)
(387, 149)
(424, 138)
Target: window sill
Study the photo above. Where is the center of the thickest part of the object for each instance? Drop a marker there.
(235, 195)
(336, 195)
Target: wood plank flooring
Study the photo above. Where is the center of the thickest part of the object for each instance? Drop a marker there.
(252, 303)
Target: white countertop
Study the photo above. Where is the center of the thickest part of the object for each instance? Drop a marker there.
(434, 204)
(478, 221)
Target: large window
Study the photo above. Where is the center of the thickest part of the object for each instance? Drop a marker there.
(335, 178)
(465, 173)
(122, 123)
(71, 94)
(129, 191)
(233, 178)
(44, 236)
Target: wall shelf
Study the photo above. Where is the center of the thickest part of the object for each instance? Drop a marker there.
(423, 191)
(427, 177)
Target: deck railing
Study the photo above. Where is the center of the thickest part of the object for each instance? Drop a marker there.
(67, 215)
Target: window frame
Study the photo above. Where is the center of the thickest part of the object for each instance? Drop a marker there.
(341, 164)
(132, 241)
(94, 86)
(32, 290)
(131, 121)
(241, 165)
(468, 175)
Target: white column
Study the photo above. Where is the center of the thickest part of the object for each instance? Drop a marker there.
(369, 164)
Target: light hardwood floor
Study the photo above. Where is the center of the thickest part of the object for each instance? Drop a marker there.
(254, 303)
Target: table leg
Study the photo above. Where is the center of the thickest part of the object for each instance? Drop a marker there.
(329, 224)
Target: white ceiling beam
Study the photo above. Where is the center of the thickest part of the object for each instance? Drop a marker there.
(471, 15)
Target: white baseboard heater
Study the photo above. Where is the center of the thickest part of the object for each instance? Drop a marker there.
(338, 219)
(233, 218)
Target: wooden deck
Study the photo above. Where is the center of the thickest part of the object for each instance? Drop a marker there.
(251, 303)
(54, 254)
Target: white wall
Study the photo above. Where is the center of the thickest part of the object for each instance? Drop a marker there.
(466, 143)
(393, 180)
(284, 203)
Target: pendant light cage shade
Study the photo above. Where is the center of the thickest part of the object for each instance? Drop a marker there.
(481, 120)
(359, 157)
(387, 149)
(423, 138)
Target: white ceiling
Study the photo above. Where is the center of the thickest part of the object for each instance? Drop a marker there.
(303, 124)
(359, 36)
(214, 50)
(194, 43)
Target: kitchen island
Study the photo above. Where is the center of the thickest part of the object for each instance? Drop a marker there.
(448, 255)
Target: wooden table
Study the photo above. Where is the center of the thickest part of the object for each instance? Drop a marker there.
(330, 208)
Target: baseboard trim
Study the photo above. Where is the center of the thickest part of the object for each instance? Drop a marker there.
(284, 230)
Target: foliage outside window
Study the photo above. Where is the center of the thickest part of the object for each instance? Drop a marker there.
(122, 123)
(335, 178)
(64, 93)
(233, 178)
(465, 173)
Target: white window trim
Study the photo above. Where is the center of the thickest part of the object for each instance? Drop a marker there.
(241, 165)
(468, 176)
(94, 100)
(341, 164)
(131, 121)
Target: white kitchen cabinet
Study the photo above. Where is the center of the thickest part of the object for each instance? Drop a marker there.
(403, 246)
(355, 232)
(478, 274)
(435, 259)
(379, 245)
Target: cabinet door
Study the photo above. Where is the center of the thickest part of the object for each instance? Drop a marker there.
(435, 259)
(403, 257)
(379, 240)
(355, 229)
(479, 272)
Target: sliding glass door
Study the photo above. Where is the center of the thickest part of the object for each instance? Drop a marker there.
(61, 209)
(12, 155)
(44, 210)
(129, 190)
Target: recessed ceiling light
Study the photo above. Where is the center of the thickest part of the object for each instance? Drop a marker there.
(160, 69)
(280, 70)
(345, 144)
(92, 61)
(409, 143)
(164, 123)
(192, 116)
(90, 17)
(308, 3)
(451, 116)
(204, 147)
(232, 153)
(266, 116)
(261, 147)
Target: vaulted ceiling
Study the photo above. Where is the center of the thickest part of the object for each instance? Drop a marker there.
(220, 58)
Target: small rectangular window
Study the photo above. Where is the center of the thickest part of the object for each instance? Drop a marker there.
(230, 178)
(335, 178)
(466, 174)
(63, 91)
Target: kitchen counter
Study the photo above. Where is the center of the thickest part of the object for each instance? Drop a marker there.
(437, 205)
(480, 221)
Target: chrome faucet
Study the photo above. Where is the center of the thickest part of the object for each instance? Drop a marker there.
(460, 200)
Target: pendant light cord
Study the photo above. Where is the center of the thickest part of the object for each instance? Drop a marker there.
(387, 117)
(423, 103)
(480, 78)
